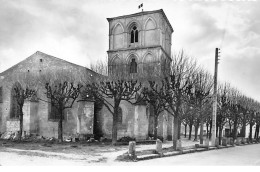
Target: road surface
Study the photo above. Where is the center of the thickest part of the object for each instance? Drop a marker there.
(235, 156)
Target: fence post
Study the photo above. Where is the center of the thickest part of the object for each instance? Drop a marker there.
(131, 149)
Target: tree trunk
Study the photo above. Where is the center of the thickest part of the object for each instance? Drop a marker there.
(257, 128)
(244, 126)
(179, 129)
(207, 126)
(196, 131)
(155, 126)
(256, 131)
(217, 129)
(114, 126)
(250, 132)
(220, 134)
(235, 128)
(201, 131)
(60, 128)
(230, 129)
(190, 130)
(210, 129)
(21, 122)
(185, 130)
(175, 132)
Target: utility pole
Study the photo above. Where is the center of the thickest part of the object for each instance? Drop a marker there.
(214, 115)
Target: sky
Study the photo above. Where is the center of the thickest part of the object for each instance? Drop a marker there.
(77, 31)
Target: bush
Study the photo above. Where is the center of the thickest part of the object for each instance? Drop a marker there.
(160, 137)
(126, 139)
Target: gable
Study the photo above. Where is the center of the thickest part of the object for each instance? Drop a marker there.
(41, 63)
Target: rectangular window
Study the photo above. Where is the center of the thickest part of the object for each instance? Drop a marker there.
(53, 112)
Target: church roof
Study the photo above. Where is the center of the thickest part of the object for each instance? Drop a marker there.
(144, 13)
(30, 62)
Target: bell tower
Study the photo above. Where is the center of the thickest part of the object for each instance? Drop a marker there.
(140, 43)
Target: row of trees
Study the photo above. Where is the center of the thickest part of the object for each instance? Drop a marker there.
(185, 92)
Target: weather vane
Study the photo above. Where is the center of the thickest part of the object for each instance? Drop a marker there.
(141, 6)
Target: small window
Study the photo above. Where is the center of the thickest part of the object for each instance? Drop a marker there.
(134, 35)
(53, 112)
(133, 66)
(40, 60)
(14, 107)
(28, 70)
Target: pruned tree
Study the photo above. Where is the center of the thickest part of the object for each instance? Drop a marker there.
(177, 84)
(61, 90)
(252, 116)
(111, 90)
(155, 96)
(223, 107)
(116, 91)
(202, 95)
(187, 118)
(208, 118)
(62, 96)
(25, 88)
(257, 126)
(244, 120)
(234, 111)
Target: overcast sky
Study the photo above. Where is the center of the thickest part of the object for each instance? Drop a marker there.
(77, 31)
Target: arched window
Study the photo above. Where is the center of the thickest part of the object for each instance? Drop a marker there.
(116, 65)
(133, 66)
(134, 35)
(149, 64)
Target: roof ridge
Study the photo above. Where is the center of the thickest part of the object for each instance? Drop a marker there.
(44, 54)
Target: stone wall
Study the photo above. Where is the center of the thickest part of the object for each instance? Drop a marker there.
(153, 46)
(153, 30)
(36, 113)
(141, 121)
(134, 122)
(13, 126)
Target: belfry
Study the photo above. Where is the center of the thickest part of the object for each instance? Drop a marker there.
(140, 41)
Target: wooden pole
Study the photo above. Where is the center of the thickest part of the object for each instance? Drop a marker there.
(214, 114)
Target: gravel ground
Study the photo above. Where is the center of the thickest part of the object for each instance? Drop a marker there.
(30, 153)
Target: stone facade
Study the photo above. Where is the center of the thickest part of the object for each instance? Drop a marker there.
(78, 119)
(151, 46)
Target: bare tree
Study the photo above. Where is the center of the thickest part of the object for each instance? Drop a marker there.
(257, 126)
(202, 93)
(25, 88)
(61, 93)
(235, 109)
(112, 90)
(154, 95)
(223, 106)
(176, 85)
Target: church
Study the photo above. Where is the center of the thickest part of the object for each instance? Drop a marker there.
(137, 42)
